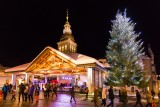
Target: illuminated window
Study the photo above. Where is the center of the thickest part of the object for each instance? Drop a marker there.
(74, 50)
(70, 47)
(62, 48)
(65, 47)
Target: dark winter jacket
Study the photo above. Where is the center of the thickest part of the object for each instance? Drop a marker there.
(4, 89)
(124, 96)
(54, 89)
(21, 88)
(37, 91)
(72, 91)
(111, 94)
(31, 90)
(138, 95)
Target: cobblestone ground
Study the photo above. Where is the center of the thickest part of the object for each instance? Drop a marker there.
(64, 101)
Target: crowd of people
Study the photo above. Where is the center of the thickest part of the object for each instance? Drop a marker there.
(31, 92)
(7, 88)
(105, 93)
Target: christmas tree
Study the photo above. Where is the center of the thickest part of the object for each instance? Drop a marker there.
(124, 53)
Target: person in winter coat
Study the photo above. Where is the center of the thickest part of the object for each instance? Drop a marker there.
(104, 95)
(138, 96)
(21, 91)
(149, 99)
(48, 88)
(111, 97)
(124, 96)
(120, 95)
(86, 91)
(4, 91)
(153, 94)
(37, 89)
(30, 92)
(26, 93)
(54, 90)
(95, 98)
(100, 92)
(72, 94)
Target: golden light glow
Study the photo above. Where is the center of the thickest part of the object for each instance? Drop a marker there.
(62, 48)
(89, 80)
(65, 47)
(90, 74)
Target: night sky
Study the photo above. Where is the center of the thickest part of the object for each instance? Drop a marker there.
(28, 26)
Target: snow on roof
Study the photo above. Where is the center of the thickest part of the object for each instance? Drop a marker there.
(76, 58)
(17, 68)
(83, 59)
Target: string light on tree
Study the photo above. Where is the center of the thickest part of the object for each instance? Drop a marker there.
(124, 53)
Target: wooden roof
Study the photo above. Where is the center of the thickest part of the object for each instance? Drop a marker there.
(53, 61)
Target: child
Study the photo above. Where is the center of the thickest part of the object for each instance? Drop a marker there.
(37, 92)
(13, 94)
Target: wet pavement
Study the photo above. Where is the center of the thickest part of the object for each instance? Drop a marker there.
(63, 100)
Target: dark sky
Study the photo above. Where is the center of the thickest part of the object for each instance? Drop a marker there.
(28, 26)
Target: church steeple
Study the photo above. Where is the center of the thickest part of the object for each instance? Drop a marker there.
(67, 43)
(67, 26)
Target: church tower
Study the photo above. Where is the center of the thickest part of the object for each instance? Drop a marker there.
(67, 43)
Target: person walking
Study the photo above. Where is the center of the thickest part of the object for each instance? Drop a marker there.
(149, 99)
(72, 94)
(30, 92)
(100, 92)
(4, 91)
(48, 87)
(104, 95)
(86, 91)
(13, 94)
(26, 93)
(153, 94)
(54, 90)
(124, 96)
(95, 98)
(111, 97)
(37, 92)
(21, 91)
(138, 96)
(120, 95)
(10, 88)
